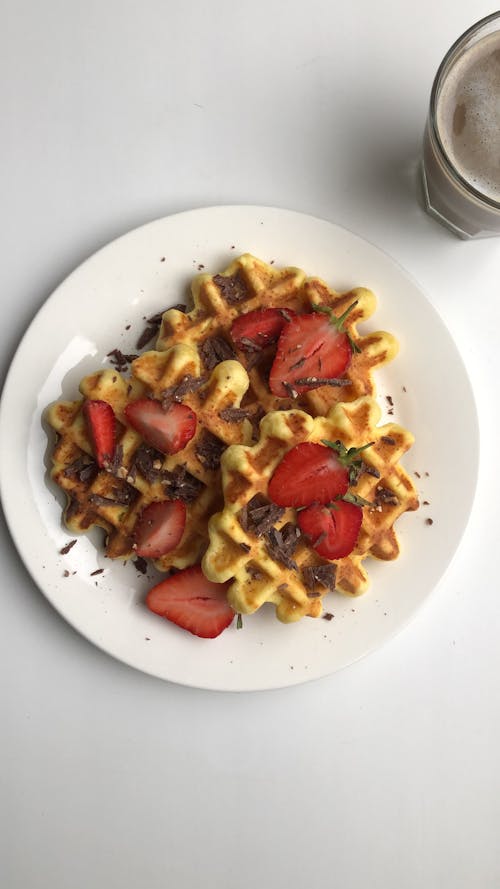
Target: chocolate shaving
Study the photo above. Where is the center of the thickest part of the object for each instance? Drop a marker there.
(259, 515)
(140, 564)
(215, 349)
(233, 288)
(319, 574)
(178, 483)
(282, 543)
(177, 392)
(389, 400)
(83, 468)
(122, 499)
(65, 550)
(245, 547)
(97, 571)
(209, 450)
(234, 414)
(115, 463)
(146, 336)
(248, 345)
(316, 382)
(119, 360)
(327, 615)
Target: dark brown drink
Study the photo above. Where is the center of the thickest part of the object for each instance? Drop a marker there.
(461, 164)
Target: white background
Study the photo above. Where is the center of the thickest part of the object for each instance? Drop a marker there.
(387, 773)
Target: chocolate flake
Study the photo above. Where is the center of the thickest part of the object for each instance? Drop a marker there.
(140, 564)
(115, 464)
(97, 571)
(215, 349)
(209, 450)
(178, 483)
(233, 288)
(328, 615)
(234, 414)
(389, 400)
(259, 515)
(119, 360)
(187, 384)
(316, 382)
(282, 543)
(146, 336)
(429, 521)
(83, 468)
(65, 550)
(319, 574)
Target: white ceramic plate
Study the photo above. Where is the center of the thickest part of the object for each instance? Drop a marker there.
(146, 271)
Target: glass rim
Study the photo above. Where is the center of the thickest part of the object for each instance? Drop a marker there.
(453, 51)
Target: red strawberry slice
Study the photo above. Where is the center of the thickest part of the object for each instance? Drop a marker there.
(313, 349)
(334, 530)
(101, 427)
(192, 602)
(159, 528)
(260, 328)
(308, 473)
(166, 430)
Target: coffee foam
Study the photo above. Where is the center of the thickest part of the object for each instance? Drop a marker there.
(468, 116)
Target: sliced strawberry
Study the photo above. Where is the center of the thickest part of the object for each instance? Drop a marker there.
(315, 473)
(166, 430)
(192, 602)
(313, 350)
(260, 328)
(333, 530)
(308, 473)
(159, 528)
(101, 427)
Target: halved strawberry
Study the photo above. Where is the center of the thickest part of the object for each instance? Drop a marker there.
(313, 350)
(192, 602)
(159, 528)
(309, 472)
(166, 430)
(260, 328)
(333, 530)
(101, 427)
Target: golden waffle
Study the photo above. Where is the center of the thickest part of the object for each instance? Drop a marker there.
(113, 499)
(248, 284)
(288, 582)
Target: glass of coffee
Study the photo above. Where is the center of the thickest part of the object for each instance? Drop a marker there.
(461, 158)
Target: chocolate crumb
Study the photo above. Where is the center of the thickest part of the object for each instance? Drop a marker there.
(417, 474)
(128, 326)
(429, 521)
(66, 573)
(390, 400)
(162, 259)
(97, 571)
(119, 360)
(245, 547)
(200, 266)
(65, 550)
(426, 503)
(327, 615)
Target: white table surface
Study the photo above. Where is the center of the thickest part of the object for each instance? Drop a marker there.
(387, 773)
